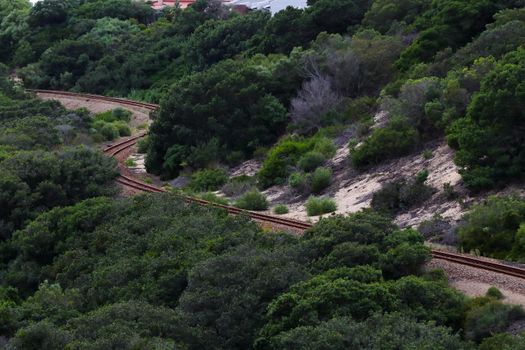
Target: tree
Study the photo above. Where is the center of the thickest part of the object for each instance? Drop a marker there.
(489, 141)
(385, 13)
(336, 16)
(494, 228)
(49, 13)
(390, 331)
(449, 24)
(217, 40)
(39, 180)
(227, 296)
(13, 26)
(237, 110)
(121, 9)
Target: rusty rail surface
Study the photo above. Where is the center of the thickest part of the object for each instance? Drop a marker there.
(130, 182)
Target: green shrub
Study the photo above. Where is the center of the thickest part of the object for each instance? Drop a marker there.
(97, 137)
(422, 176)
(299, 181)
(130, 162)
(491, 318)
(495, 228)
(325, 146)
(208, 180)
(321, 179)
(239, 185)
(502, 341)
(427, 154)
(117, 114)
(123, 129)
(122, 114)
(311, 160)
(109, 131)
(286, 154)
(212, 197)
(401, 195)
(281, 158)
(449, 192)
(318, 206)
(362, 108)
(394, 140)
(495, 293)
(260, 153)
(281, 209)
(142, 145)
(253, 200)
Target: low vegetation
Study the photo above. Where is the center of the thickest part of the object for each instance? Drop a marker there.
(401, 195)
(252, 200)
(83, 269)
(496, 228)
(318, 206)
(111, 124)
(208, 180)
(281, 209)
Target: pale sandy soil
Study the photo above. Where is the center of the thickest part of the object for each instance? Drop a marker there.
(352, 190)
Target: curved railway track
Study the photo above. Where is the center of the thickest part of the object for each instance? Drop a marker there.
(130, 182)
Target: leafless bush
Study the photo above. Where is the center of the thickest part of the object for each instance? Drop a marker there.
(315, 100)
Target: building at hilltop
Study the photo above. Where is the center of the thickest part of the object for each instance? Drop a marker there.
(161, 4)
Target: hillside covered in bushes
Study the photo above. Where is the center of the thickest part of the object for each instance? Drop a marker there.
(311, 96)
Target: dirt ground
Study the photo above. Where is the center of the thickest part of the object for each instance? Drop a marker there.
(475, 282)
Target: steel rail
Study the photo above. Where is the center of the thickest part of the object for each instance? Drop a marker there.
(130, 182)
(484, 264)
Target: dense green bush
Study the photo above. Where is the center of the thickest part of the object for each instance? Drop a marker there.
(108, 130)
(238, 112)
(114, 115)
(34, 181)
(208, 180)
(123, 129)
(495, 228)
(311, 160)
(318, 206)
(142, 145)
(292, 151)
(321, 179)
(490, 318)
(281, 158)
(401, 195)
(503, 341)
(396, 139)
(488, 142)
(280, 209)
(299, 182)
(252, 200)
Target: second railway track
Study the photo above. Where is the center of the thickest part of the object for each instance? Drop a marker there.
(130, 182)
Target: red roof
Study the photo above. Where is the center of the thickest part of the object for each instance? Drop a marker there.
(160, 4)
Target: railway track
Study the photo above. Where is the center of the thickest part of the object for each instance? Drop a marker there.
(130, 182)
